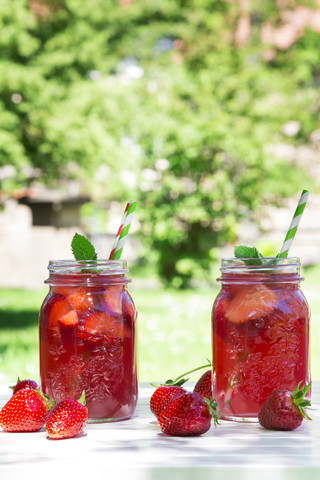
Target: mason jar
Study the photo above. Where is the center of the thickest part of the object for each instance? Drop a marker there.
(87, 337)
(260, 334)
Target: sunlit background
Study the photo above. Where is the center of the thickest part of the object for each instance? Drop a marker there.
(204, 111)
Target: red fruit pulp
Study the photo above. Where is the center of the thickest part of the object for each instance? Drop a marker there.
(260, 343)
(87, 344)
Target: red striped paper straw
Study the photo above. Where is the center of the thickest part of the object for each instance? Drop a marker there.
(116, 238)
(123, 231)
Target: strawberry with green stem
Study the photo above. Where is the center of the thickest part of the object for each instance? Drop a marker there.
(25, 411)
(188, 415)
(68, 418)
(285, 410)
(169, 391)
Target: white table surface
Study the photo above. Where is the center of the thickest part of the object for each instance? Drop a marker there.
(136, 449)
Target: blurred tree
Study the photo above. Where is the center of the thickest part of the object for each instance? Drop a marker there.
(182, 103)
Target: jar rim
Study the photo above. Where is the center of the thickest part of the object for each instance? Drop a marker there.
(256, 262)
(260, 269)
(73, 261)
(103, 266)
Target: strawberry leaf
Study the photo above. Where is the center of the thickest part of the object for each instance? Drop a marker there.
(299, 400)
(82, 399)
(175, 383)
(213, 409)
(82, 248)
(169, 382)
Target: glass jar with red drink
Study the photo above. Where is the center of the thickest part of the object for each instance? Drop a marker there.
(87, 337)
(260, 334)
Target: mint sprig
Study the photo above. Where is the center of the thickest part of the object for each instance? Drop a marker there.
(82, 248)
(241, 251)
(251, 256)
(250, 253)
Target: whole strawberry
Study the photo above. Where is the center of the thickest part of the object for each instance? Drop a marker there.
(204, 385)
(22, 384)
(188, 415)
(285, 410)
(163, 395)
(24, 412)
(67, 419)
(169, 391)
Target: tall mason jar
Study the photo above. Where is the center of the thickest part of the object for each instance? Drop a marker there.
(87, 337)
(260, 334)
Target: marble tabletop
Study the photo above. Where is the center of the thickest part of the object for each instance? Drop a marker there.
(135, 449)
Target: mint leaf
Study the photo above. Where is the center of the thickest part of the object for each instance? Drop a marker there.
(240, 251)
(250, 253)
(82, 248)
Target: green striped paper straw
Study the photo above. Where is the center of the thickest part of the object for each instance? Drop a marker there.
(294, 224)
(126, 222)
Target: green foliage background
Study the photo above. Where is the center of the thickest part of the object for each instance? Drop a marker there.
(158, 93)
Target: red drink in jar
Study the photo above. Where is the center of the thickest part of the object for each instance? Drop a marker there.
(87, 337)
(260, 334)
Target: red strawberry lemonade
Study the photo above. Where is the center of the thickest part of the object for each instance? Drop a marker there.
(87, 337)
(260, 334)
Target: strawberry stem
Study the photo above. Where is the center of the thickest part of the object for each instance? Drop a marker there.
(177, 382)
(178, 379)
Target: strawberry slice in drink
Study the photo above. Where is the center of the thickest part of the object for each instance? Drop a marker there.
(81, 300)
(54, 308)
(61, 289)
(68, 327)
(103, 323)
(112, 299)
(69, 319)
(250, 303)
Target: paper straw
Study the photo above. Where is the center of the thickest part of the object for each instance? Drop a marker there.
(123, 231)
(294, 224)
(116, 238)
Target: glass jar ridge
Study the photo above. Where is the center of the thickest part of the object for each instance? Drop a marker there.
(266, 270)
(90, 272)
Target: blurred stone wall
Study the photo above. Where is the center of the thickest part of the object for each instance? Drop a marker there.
(25, 249)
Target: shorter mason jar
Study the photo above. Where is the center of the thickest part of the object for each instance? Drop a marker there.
(87, 337)
(260, 334)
